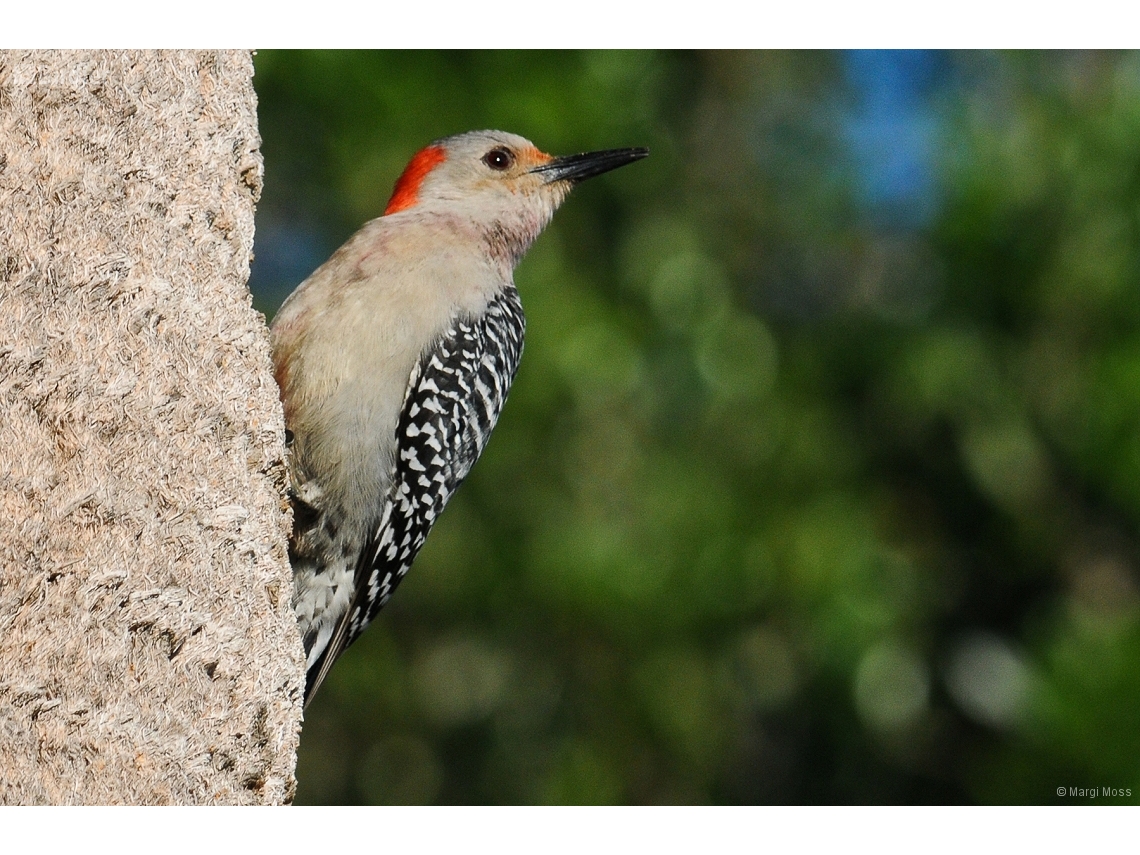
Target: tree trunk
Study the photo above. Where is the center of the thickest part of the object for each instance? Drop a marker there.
(148, 651)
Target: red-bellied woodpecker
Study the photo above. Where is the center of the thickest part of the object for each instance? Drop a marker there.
(394, 359)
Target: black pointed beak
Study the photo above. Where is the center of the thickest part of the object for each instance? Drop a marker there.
(579, 167)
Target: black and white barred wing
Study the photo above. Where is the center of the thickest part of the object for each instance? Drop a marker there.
(453, 400)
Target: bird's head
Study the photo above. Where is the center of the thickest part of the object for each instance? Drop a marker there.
(499, 182)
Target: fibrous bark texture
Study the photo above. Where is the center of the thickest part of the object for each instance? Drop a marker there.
(148, 651)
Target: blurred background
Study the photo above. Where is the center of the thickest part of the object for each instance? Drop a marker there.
(820, 480)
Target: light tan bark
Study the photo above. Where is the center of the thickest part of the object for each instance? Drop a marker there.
(148, 651)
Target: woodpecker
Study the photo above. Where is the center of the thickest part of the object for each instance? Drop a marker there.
(394, 359)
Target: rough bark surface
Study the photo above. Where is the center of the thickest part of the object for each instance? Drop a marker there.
(148, 651)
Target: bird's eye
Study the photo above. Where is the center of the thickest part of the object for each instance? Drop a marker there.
(499, 159)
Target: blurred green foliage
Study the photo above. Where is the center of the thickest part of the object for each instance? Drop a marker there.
(813, 487)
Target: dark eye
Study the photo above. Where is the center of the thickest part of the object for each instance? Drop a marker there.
(499, 159)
